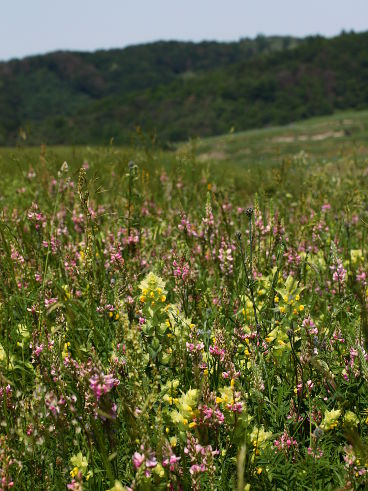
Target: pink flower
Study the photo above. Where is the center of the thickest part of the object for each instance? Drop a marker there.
(138, 459)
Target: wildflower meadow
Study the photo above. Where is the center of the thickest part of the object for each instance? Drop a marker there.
(170, 323)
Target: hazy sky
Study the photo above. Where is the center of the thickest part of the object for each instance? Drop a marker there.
(37, 26)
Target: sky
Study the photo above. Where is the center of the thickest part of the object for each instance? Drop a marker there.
(38, 26)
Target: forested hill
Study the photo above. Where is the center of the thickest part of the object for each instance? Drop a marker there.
(179, 89)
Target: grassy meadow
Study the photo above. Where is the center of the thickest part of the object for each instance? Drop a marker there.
(192, 319)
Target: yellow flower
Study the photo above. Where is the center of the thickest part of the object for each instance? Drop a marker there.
(65, 353)
(117, 487)
(330, 420)
(80, 462)
(159, 470)
(259, 438)
(350, 419)
(277, 299)
(301, 308)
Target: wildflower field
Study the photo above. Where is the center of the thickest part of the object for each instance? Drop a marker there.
(174, 323)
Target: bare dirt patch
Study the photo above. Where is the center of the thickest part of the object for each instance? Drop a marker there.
(316, 137)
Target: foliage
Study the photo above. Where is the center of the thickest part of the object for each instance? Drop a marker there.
(174, 90)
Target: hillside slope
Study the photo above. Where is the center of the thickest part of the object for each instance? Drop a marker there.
(180, 89)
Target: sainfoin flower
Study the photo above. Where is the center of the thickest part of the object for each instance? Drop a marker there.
(102, 384)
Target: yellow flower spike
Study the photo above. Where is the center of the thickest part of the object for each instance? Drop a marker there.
(282, 310)
(159, 470)
(286, 298)
(185, 421)
(117, 487)
(219, 400)
(232, 383)
(142, 298)
(205, 372)
(152, 295)
(297, 298)
(159, 291)
(246, 351)
(117, 317)
(144, 291)
(330, 420)
(74, 472)
(163, 298)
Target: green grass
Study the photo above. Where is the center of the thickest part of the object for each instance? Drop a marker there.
(344, 133)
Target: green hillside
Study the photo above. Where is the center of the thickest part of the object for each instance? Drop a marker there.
(176, 90)
(326, 137)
